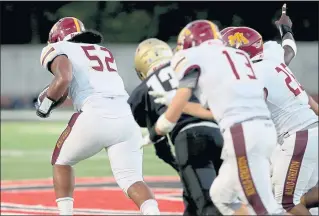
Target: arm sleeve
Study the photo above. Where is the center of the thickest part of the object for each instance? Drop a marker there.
(49, 53)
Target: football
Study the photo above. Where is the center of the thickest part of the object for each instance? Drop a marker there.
(43, 94)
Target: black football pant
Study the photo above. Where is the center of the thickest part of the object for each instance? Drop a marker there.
(198, 152)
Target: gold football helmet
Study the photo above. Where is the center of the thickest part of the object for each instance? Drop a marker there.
(150, 53)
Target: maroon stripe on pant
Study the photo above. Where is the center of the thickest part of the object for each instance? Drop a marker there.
(244, 173)
(294, 170)
(62, 138)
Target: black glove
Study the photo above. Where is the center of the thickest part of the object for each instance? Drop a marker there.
(284, 29)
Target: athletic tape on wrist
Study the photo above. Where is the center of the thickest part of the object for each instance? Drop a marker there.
(164, 125)
(45, 105)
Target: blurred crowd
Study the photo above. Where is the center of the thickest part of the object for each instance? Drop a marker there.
(132, 22)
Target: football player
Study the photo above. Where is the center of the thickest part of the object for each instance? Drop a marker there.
(197, 142)
(204, 65)
(103, 118)
(295, 160)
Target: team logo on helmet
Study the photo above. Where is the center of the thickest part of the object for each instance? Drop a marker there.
(237, 39)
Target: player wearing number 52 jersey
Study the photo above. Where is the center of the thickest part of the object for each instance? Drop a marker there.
(295, 160)
(103, 119)
(235, 97)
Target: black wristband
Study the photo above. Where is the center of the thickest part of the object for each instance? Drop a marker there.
(284, 29)
(153, 135)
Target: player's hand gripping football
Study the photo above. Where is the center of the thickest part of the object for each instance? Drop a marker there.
(44, 108)
(284, 24)
(163, 97)
(43, 104)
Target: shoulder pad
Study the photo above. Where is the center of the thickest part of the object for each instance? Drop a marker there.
(273, 50)
(49, 53)
(180, 63)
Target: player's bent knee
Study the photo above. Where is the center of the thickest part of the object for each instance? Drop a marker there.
(62, 162)
(224, 201)
(126, 182)
(214, 193)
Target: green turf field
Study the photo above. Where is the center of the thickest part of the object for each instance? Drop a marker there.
(26, 149)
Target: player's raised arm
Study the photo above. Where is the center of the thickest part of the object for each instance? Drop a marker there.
(284, 24)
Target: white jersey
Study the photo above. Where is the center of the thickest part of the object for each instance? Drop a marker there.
(286, 100)
(95, 81)
(226, 80)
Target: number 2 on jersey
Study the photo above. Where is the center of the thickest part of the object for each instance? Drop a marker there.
(290, 79)
(232, 65)
(108, 58)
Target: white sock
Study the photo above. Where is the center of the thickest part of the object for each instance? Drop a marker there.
(65, 205)
(150, 207)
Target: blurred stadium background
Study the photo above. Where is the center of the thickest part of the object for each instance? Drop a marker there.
(27, 141)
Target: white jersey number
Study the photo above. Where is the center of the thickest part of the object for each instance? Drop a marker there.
(95, 55)
(156, 81)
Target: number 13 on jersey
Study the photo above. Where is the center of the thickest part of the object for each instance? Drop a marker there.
(101, 58)
(250, 73)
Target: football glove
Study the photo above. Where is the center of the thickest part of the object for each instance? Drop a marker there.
(164, 98)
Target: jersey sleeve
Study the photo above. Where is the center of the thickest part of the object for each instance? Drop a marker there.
(49, 53)
(273, 51)
(183, 64)
(190, 79)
